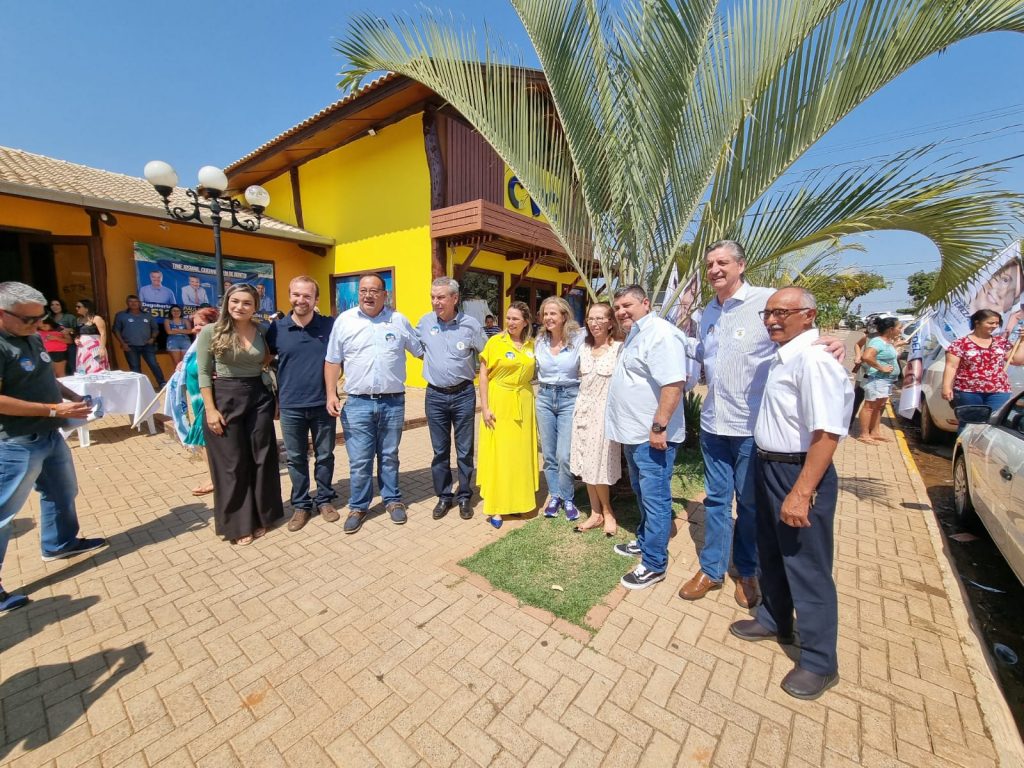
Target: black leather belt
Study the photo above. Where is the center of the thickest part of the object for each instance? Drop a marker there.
(455, 388)
(575, 385)
(380, 395)
(783, 458)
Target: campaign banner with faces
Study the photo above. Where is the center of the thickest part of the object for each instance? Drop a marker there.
(168, 277)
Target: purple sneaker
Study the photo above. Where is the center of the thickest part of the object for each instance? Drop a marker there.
(571, 513)
(551, 510)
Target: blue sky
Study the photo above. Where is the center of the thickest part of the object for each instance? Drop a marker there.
(114, 84)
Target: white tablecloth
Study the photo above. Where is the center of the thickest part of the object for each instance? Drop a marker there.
(122, 392)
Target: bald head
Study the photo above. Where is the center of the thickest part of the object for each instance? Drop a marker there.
(788, 313)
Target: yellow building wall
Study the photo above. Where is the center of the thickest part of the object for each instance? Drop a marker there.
(118, 248)
(373, 197)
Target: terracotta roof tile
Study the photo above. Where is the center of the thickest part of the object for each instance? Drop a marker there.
(30, 175)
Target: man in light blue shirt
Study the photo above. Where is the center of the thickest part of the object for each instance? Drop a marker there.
(452, 342)
(643, 415)
(156, 292)
(371, 340)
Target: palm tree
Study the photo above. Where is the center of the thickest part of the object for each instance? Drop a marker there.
(656, 128)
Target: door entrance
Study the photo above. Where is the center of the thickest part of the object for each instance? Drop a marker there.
(532, 293)
(58, 267)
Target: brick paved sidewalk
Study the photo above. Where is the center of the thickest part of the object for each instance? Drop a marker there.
(173, 648)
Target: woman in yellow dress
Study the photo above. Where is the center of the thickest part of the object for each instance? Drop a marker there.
(507, 466)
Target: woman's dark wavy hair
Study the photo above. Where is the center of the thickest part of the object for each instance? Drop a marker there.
(984, 314)
(884, 324)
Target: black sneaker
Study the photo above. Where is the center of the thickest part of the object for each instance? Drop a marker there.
(9, 602)
(80, 547)
(641, 578)
(627, 550)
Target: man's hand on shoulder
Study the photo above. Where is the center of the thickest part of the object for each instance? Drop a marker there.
(833, 346)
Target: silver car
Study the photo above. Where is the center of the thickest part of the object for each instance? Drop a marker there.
(988, 475)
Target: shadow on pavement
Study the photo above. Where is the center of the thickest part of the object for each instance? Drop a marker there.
(30, 718)
(178, 520)
(22, 624)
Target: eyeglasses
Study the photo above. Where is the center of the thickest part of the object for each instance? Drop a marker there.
(370, 291)
(27, 320)
(782, 314)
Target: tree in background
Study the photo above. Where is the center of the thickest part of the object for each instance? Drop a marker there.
(656, 127)
(920, 286)
(835, 294)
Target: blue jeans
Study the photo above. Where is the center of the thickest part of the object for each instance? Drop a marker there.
(136, 354)
(994, 400)
(650, 474)
(730, 466)
(373, 428)
(42, 461)
(448, 413)
(555, 406)
(296, 426)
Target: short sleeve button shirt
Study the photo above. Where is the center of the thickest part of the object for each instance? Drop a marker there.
(136, 330)
(807, 390)
(450, 348)
(372, 350)
(653, 355)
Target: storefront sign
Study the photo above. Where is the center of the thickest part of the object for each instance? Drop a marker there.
(518, 199)
(166, 276)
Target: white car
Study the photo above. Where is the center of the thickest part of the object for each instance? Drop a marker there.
(988, 475)
(937, 415)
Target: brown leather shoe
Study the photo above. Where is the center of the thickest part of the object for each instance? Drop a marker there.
(698, 586)
(748, 595)
(299, 519)
(328, 512)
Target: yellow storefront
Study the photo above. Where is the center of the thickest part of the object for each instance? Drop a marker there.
(404, 186)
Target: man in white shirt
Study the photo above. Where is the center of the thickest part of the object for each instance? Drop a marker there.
(736, 352)
(804, 414)
(371, 340)
(643, 414)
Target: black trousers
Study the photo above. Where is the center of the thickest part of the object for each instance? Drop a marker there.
(796, 566)
(243, 460)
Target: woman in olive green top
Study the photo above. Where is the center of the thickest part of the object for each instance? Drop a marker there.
(240, 441)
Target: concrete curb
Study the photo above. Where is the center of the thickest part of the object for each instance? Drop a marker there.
(994, 710)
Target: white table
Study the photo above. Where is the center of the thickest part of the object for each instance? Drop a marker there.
(122, 392)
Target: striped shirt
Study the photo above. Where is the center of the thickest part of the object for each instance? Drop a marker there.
(736, 352)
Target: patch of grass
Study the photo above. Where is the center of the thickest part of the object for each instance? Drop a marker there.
(528, 561)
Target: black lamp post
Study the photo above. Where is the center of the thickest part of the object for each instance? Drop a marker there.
(209, 196)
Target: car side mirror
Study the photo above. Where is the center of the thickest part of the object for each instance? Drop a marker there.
(973, 414)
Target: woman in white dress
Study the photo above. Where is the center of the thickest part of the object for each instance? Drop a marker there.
(593, 457)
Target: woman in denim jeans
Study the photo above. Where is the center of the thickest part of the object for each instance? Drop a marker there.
(558, 373)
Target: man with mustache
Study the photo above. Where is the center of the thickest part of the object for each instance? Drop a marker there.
(804, 414)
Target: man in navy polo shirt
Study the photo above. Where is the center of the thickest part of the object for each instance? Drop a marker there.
(300, 343)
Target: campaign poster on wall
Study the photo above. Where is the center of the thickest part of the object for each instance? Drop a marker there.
(167, 276)
(346, 288)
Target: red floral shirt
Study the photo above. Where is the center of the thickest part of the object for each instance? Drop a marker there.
(981, 369)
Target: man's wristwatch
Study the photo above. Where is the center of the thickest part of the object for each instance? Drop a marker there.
(657, 428)
(53, 412)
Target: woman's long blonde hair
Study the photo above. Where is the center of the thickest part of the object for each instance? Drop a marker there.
(571, 327)
(224, 336)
